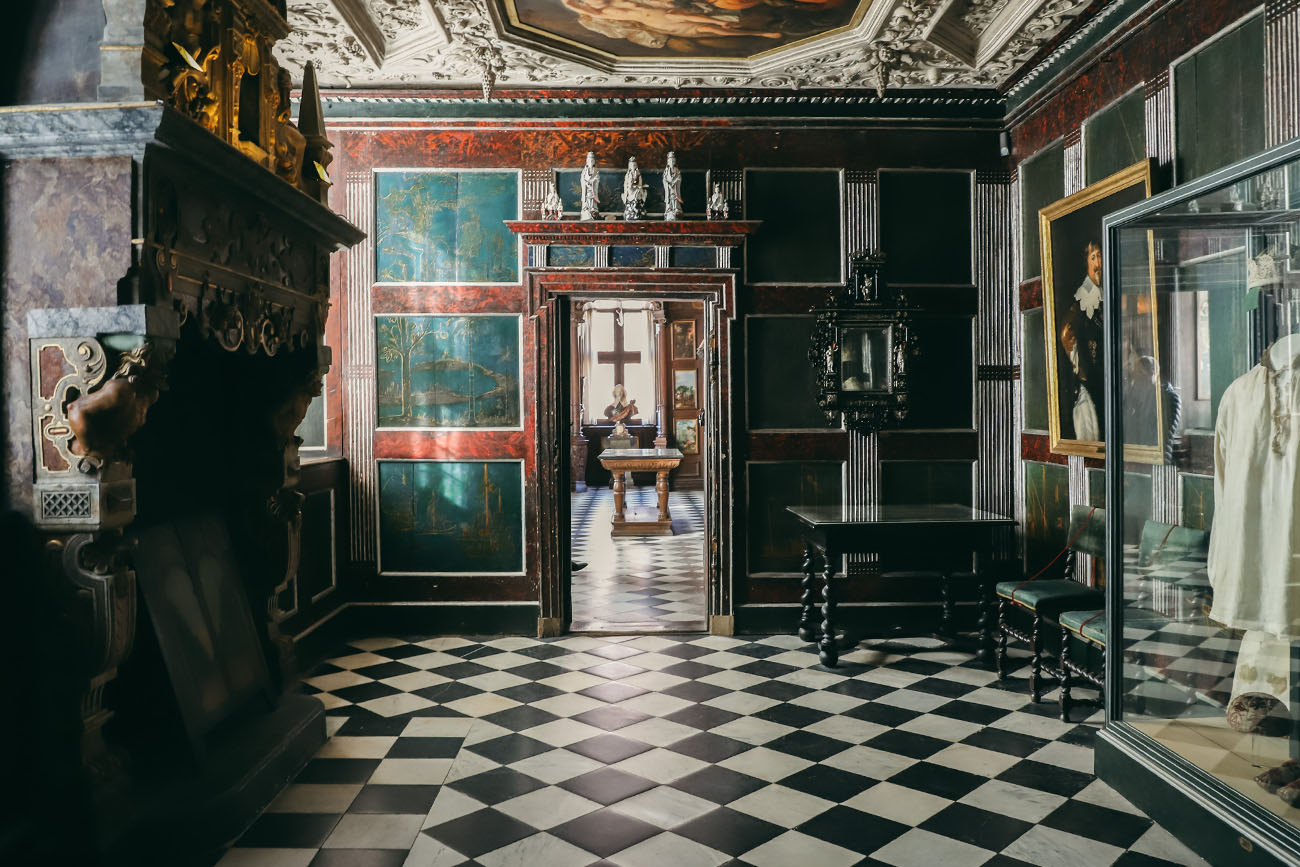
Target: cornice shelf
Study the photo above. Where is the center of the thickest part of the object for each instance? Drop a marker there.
(713, 233)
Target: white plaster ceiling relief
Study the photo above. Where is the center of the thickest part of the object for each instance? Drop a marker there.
(868, 44)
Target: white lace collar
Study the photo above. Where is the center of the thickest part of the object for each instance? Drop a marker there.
(1089, 297)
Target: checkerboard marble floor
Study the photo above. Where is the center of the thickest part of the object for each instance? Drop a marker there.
(690, 750)
(638, 583)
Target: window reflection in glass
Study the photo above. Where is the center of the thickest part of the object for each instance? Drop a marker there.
(864, 358)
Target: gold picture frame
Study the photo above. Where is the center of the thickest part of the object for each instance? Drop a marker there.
(1070, 232)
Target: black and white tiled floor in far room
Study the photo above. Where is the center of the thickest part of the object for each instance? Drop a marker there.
(690, 750)
(638, 583)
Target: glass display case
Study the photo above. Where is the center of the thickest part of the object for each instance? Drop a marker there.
(1203, 604)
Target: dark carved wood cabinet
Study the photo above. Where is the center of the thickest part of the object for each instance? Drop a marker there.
(166, 271)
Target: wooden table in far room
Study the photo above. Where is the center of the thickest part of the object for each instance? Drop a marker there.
(838, 530)
(659, 461)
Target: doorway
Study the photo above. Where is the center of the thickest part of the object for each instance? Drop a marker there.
(634, 372)
(701, 519)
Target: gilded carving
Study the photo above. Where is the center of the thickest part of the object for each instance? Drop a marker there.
(212, 61)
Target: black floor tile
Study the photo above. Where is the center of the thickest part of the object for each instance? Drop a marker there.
(612, 692)
(446, 693)
(693, 690)
(463, 670)
(289, 830)
(605, 832)
(537, 670)
(497, 785)
(793, 715)
(719, 785)
(1048, 778)
(509, 749)
(971, 711)
(807, 745)
(480, 832)
(729, 831)
(702, 717)
(828, 783)
(401, 651)
(613, 670)
(530, 692)
(607, 786)
(609, 749)
(359, 858)
(978, 827)
(778, 690)
(394, 799)
(708, 747)
(519, 718)
(386, 669)
(424, 748)
(943, 686)
(860, 689)
(1098, 823)
(372, 725)
(907, 744)
(884, 714)
(365, 692)
(610, 718)
(1003, 741)
(938, 780)
(763, 668)
(853, 829)
(690, 669)
(337, 771)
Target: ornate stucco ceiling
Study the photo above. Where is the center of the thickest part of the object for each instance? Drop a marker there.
(670, 43)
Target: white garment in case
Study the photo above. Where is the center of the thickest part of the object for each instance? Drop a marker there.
(1254, 566)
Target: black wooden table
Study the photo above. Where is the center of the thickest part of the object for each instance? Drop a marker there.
(922, 530)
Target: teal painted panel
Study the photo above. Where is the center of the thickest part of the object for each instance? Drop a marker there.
(1034, 372)
(569, 256)
(775, 544)
(631, 257)
(1219, 107)
(1042, 181)
(1198, 502)
(1047, 514)
(1097, 488)
(446, 227)
(1115, 137)
(447, 371)
(451, 516)
(693, 257)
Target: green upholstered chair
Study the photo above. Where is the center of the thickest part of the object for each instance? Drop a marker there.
(1041, 598)
(1170, 561)
(1087, 629)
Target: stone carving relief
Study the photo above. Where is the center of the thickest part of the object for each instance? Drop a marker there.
(897, 47)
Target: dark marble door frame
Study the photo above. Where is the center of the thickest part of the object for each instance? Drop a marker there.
(549, 294)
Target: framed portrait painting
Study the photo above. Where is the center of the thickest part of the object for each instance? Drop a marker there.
(1071, 236)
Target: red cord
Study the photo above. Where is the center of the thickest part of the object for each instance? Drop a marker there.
(1067, 547)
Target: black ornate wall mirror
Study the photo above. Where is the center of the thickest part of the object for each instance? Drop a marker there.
(860, 346)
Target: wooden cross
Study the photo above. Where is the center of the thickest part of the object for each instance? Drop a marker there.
(619, 357)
